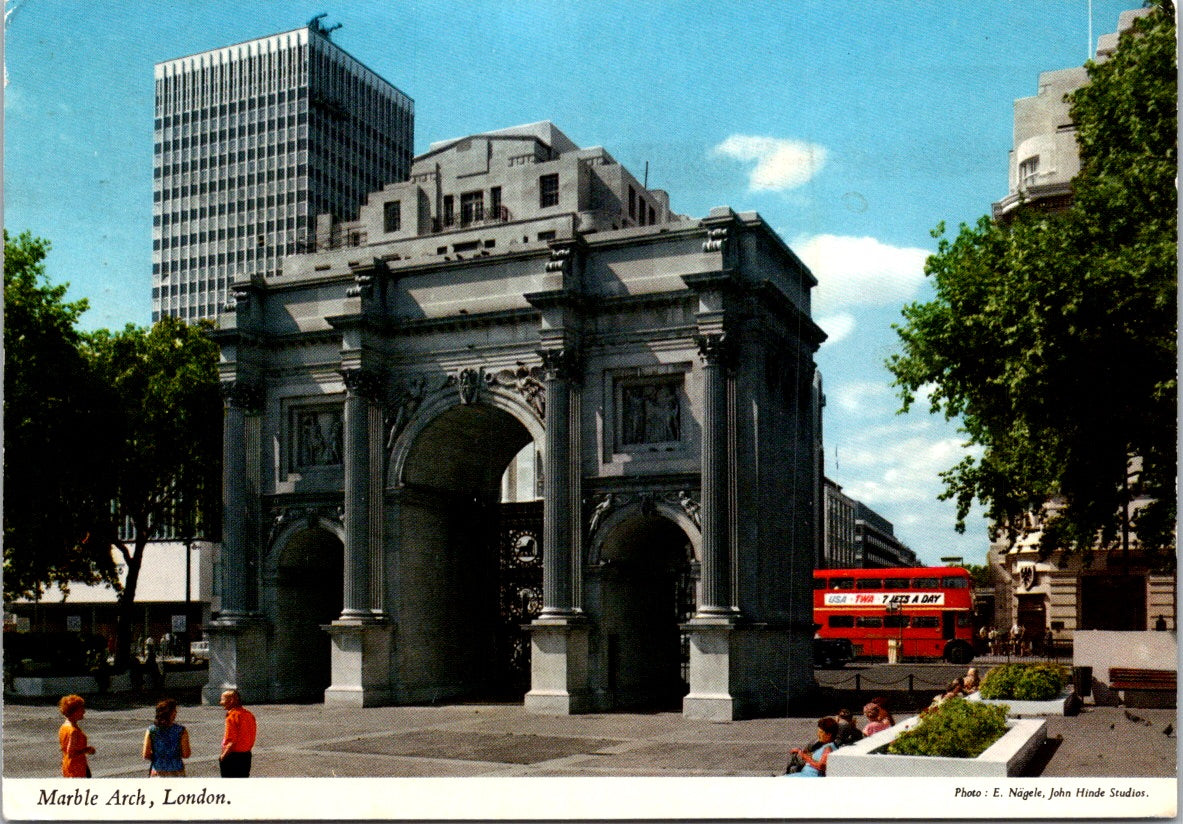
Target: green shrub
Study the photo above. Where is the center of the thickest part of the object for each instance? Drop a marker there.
(1024, 682)
(955, 729)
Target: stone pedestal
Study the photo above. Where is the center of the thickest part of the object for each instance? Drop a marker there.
(743, 670)
(558, 667)
(361, 653)
(238, 659)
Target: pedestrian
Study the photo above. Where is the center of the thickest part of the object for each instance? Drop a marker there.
(239, 738)
(993, 641)
(166, 743)
(72, 739)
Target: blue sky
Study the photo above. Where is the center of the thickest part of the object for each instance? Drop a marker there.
(853, 128)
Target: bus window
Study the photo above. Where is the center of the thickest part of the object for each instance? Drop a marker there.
(870, 583)
(842, 583)
(964, 619)
(895, 583)
(895, 621)
(869, 622)
(955, 583)
(926, 583)
(819, 583)
(841, 621)
(926, 622)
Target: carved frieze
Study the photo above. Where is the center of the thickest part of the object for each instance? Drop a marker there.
(650, 413)
(318, 436)
(525, 381)
(647, 500)
(310, 515)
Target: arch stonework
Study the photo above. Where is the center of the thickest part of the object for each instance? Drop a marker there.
(669, 366)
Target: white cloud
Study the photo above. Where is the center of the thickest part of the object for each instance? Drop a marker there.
(861, 396)
(837, 326)
(780, 164)
(860, 271)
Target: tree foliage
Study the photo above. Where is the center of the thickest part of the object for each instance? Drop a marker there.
(54, 472)
(1052, 338)
(165, 412)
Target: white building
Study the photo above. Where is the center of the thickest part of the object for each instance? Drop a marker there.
(252, 141)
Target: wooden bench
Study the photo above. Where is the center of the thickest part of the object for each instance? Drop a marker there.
(1144, 687)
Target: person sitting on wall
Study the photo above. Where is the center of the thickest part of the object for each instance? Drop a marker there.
(847, 733)
(815, 761)
(877, 719)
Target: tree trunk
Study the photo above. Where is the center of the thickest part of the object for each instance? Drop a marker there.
(125, 621)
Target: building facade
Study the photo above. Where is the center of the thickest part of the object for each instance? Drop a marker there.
(518, 293)
(252, 142)
(858, 537)
(1044, 158)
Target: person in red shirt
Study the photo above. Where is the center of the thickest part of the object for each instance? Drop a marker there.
(72, 739)
(239, 739)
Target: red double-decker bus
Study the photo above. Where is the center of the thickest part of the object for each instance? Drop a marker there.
(928, 609)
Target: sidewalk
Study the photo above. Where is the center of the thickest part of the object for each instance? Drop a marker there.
(312, 740)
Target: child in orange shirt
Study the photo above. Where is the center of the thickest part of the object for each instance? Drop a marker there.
(72, 739)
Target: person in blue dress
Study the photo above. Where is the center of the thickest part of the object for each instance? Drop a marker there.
(815, 761)
(166, 743)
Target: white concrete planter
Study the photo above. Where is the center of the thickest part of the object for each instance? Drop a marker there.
(1006, 757)
(1020, 709)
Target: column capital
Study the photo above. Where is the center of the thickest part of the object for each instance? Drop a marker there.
(561, 363)
(362, 382)
(241, 394)
(715, 348)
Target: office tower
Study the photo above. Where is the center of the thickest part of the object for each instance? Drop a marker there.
(252, 142)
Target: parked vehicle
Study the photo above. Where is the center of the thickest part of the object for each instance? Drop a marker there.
(831, 653)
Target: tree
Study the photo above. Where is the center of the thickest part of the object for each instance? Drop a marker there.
(165, 410)
(1052, 338)
(53, 469)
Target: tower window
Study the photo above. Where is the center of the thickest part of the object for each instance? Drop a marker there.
(1029, 171)
(548, 190)
(392, 216)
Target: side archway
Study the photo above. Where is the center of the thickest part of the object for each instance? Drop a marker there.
(646, 586)
(303, 585)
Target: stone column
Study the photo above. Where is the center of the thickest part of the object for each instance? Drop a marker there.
(361, 393)
(559, 502)
(559, 636)
(239, 397)
(238, 638)
(716, 550)
(362, 638)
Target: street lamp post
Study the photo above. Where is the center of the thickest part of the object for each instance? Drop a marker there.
(188, 576)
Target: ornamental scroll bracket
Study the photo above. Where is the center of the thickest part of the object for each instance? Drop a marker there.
(716, 239)
(239, 297)
(560, 259)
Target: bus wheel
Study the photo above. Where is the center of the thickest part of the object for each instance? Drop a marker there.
(959, 652)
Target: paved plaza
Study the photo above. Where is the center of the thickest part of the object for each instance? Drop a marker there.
(302, 740)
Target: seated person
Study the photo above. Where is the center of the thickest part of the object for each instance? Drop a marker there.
(815, 761)
(970, 681)
(847, 733)
(877, 719)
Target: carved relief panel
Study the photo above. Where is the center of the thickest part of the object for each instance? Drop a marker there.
(315, 437)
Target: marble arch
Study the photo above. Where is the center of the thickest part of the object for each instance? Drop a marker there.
(660, 363)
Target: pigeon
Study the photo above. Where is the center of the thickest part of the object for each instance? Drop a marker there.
(1169, 729)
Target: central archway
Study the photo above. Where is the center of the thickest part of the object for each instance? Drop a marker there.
(453, 635)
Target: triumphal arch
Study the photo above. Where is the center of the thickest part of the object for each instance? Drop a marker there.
(520, 429)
